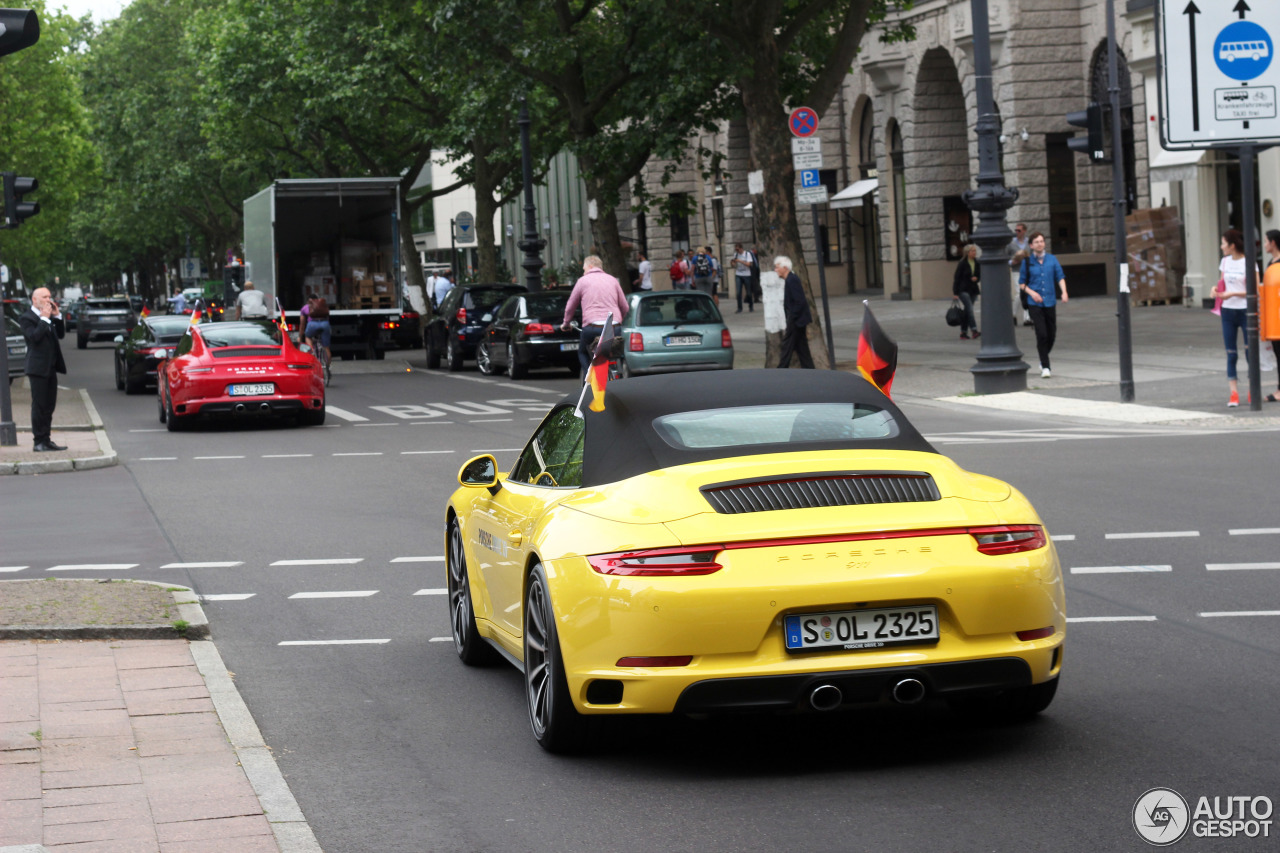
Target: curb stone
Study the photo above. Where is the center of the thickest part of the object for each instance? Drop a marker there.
(107, 457)
(189, 611)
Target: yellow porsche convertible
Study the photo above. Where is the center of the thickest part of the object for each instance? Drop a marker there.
(749, 540)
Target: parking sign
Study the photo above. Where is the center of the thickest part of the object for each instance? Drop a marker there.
(1218, 75)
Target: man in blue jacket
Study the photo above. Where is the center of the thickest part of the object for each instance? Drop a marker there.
(796, 307)
(42, 326)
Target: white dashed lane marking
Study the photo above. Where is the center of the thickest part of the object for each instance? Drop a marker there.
(332, 642)
(418, 560)
(13, 568)
(422, 452)
(367, 453)
(337, 561)
(288, 455)
(1111, 619)
(437, 591)
(158, 459)
(1111, 570)
(492, 421)
(345, 593)
(1167, 534)
(1254, 531)
(1231, 567)
(217, 457)
(1066, 537)
(1221, 613)
(227, 565)
(94, 567)
(440, 640)
(229, 596)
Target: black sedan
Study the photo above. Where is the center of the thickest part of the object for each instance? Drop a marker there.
(140, 352)
(453, 332)
(526, 333)
(103, 319)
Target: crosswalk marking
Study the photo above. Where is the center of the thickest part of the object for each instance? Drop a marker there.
(1109, 570)
(344, 414)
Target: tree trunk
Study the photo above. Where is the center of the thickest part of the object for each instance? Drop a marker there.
(486, 207)
(774, 211)
(606, 241)
(415, 284)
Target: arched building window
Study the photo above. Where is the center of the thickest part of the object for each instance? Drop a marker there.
(1100, 93)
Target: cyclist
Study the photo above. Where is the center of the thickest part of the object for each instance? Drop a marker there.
(317, 328)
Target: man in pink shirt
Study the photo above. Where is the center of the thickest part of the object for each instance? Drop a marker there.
(599, 295)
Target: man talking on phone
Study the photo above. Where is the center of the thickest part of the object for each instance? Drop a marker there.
(42, 326)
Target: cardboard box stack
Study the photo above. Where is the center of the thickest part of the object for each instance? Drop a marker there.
(372, 288)
(1156, 254)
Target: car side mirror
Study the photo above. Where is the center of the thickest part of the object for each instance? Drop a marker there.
(118, 339)
(480, 473)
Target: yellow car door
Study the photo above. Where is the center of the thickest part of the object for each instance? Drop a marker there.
(548, 470)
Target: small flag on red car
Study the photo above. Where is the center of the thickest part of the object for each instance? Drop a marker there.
(146, 312)
(196, 311)
(877, 353)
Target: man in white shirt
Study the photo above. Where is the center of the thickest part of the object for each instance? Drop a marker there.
(251, 302)
(444, 283)
(645, 282)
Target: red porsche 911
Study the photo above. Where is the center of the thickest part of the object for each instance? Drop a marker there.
(239, 370)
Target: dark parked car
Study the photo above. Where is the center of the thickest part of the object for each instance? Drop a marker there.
(453, 332)
(103, 319)
(16, 343)
(526, 333)
(406, 330)
(136, 303)
(71, 314)
(140, 352)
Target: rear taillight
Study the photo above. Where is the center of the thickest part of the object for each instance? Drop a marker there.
(538, 328)
(151, 350)
(291, 327)
(700, 560)
(1009, 539)
(725, 340)
(389, 325)
(637, 342)
(1037, 634)
(409, 315)
(462, 315)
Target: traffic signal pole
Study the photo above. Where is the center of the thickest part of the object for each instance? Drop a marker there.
(1118, 208)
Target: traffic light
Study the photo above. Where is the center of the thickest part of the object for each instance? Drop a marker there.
(19, 28)
(15, 209)
(1092, 143)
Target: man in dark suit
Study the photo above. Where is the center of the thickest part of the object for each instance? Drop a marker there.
(796, 337)
(42, 326)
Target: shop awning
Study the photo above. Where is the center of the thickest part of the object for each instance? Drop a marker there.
(852, 195)
(1173, 166)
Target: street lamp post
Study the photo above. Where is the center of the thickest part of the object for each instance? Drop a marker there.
(532, 244)
(1000, 368)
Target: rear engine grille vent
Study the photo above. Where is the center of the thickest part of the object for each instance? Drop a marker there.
(819, 490)
(243, 352)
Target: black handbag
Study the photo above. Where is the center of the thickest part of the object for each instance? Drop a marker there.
(955, 314)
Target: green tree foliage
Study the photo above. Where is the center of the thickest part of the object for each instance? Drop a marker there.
(44, 135)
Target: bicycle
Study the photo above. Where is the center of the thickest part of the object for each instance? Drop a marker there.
(323, 355)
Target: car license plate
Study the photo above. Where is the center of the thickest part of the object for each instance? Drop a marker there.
(683, 340)
(568, 347)
(252, 390)
(862, 629)
(17, 350)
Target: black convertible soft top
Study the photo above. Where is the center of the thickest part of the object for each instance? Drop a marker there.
(621, 441)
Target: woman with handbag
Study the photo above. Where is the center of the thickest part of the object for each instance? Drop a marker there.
(1231, 290)
(965, 288)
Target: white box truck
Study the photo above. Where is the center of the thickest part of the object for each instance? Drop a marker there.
(338, 238)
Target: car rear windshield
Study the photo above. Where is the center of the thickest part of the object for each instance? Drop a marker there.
(685, 307)
(788, 423)
(111, 304)
(486, 298)
(242, 336)
(171, 325)
(546, 303)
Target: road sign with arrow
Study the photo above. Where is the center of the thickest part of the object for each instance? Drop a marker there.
(1218, 75)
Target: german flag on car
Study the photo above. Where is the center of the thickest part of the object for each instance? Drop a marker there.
(598, 372)
(877, 352)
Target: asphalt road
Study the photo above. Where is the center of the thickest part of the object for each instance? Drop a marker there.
(390, 744)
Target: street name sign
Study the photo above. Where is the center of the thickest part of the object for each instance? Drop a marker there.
(1218, 73)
